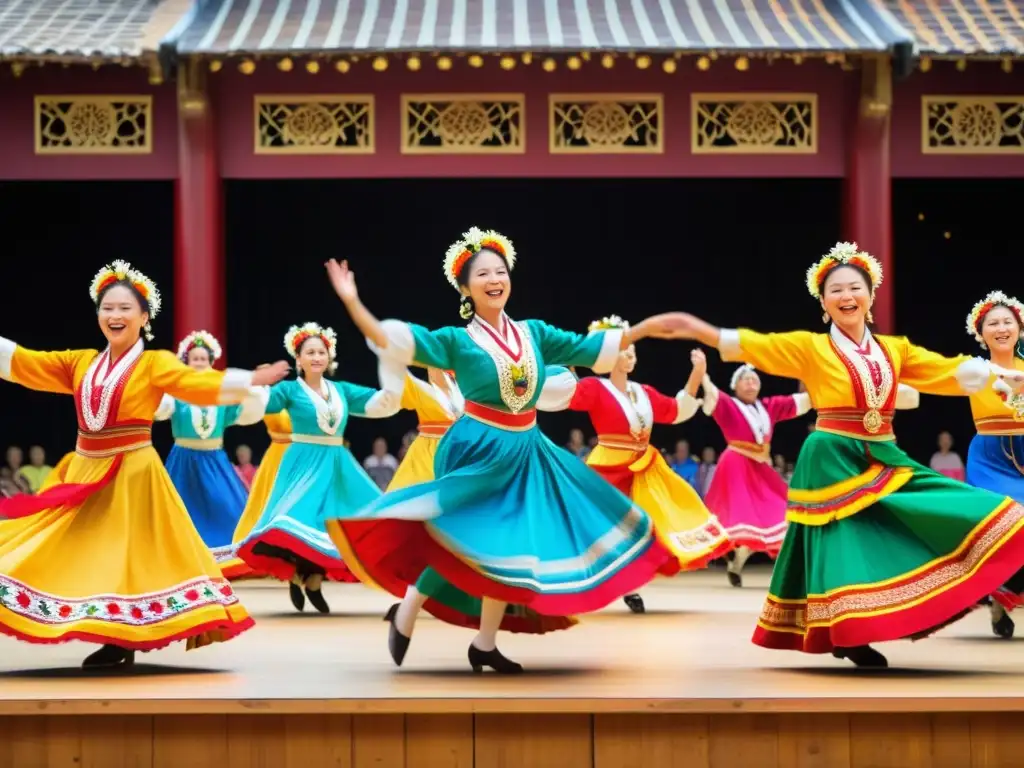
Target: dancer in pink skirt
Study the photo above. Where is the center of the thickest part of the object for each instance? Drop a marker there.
(746, 493)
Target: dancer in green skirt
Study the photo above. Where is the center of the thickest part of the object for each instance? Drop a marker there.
(878, 547)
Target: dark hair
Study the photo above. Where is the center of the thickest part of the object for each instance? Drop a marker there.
(467, 308)
(858, 269)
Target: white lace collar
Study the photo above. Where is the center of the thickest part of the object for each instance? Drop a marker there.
(636, 406)
(757, 417)
(328, 405)
(514, 359)
(101, 374)
(862, 357)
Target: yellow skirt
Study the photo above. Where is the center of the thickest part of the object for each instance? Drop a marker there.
(234, 568)
(681, 521)
(124, 567)
(58, 473)
(418, 464)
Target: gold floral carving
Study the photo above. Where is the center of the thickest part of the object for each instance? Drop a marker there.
(972, 125)
(314, 124)
(93, 125)
(754, 123)
(605, 123)
(463, 124)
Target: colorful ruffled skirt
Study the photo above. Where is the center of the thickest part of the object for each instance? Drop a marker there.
(316, 482)
(109, 555)
(234, 567)
(749, 498)
(880, 548)
(212, 492)
(512, 517)
(682, 523)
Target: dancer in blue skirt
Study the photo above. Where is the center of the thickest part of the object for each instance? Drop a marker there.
(200, 469)
(511, 518)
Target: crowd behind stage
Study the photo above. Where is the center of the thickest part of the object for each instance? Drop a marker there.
(696, 467)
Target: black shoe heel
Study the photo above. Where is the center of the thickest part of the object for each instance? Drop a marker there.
(398, 644)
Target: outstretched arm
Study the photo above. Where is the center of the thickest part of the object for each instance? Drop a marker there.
(343, 280)
(42, 371)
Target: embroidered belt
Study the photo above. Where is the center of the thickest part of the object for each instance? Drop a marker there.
(433, 429)
(999, 425)
(199, 444)
(319, 439)
(279, 437)
(854, 422)
(623, 443)
(761, 453)
(513, 422)
(111, 441)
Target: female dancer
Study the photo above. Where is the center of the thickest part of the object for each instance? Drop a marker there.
(109, 556)
(510, 518)
(437, 403)
(318, 478)
(854, 494)
(279, 428)
(995, 459)
(200, 470)
(623, 414)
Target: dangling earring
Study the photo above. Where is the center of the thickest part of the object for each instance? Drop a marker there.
(467, 308)
(870, 317)
(824, 317)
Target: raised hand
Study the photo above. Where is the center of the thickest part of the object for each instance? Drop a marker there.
(699, 360)
(670, 325)
(343, 280)
(266, 375)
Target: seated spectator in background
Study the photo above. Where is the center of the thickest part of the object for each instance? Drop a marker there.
(779, 463)
(15, 462)
(946, 461)
(244, 467)
(37, 470)
(380, 465)
(706, 470)
(8, 487)
(684, 465)
(407, 439)
(576, 445)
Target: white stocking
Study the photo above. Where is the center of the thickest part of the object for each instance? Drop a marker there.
(408, 610)
(735, 565)
(490, 621)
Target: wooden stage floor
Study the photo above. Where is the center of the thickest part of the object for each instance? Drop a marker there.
(684, 677)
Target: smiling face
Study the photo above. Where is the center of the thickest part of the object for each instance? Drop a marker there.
(485, 279)
(121, 316)
(626, 361)
(313, 357)
(1000, 330)
(748, 387)
(846, 296)
(199, 358)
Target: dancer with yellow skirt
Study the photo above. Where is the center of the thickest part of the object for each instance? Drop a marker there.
(879, 547)
(109, 555)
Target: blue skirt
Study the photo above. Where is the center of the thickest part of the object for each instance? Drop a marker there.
(313, 484)
(990, 464)
(211, 490)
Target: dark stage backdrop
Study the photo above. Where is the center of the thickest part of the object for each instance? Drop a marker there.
(734, 251)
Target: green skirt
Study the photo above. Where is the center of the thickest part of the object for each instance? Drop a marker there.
(880, 548)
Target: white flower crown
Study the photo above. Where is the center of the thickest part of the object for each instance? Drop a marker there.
(203, 339)
(471, 243)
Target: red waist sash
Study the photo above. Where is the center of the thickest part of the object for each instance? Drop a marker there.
(514, 422)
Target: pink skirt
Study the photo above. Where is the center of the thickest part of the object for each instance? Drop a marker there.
(749, 499)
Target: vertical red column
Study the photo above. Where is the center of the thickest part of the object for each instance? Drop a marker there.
(868, 203)
(199, 290)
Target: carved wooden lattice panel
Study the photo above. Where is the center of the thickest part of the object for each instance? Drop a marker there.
(972, 125)
(464, 123)
(306, 124)
(754, 123)
(605, 123)
(93, 125)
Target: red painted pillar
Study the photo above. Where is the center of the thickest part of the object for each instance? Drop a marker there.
(199, 291)
(868, 203)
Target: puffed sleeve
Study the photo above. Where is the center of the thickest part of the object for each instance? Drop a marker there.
(672, 410)
(779, 354)
(597, 350)
(209, 387)
(41, 371)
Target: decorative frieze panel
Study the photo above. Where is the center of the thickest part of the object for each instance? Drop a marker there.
(605, 123)
(972, 125)
(754, 123)
(464, 123)
(93, 125)
(306, 124)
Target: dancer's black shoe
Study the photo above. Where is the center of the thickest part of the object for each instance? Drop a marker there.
(863, 656)
(316, 599)
(398, 644)
(735, 579)
(635, 603)
(109, 656)
(298, 599)
(494, 659)
(1003, 627)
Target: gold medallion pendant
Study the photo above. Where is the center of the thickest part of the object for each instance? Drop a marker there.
(872, 421)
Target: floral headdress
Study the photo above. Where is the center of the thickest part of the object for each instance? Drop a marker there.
(739, 373)
(983, 307)
(203, 339)
(297, 335)
(843, 254)
(472, 242)
(121, 271)
(610, 323)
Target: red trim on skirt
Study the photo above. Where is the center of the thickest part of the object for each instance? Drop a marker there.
(334, 568)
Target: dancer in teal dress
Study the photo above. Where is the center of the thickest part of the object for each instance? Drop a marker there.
(318, 477)
(202, 474)
(511, 518)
